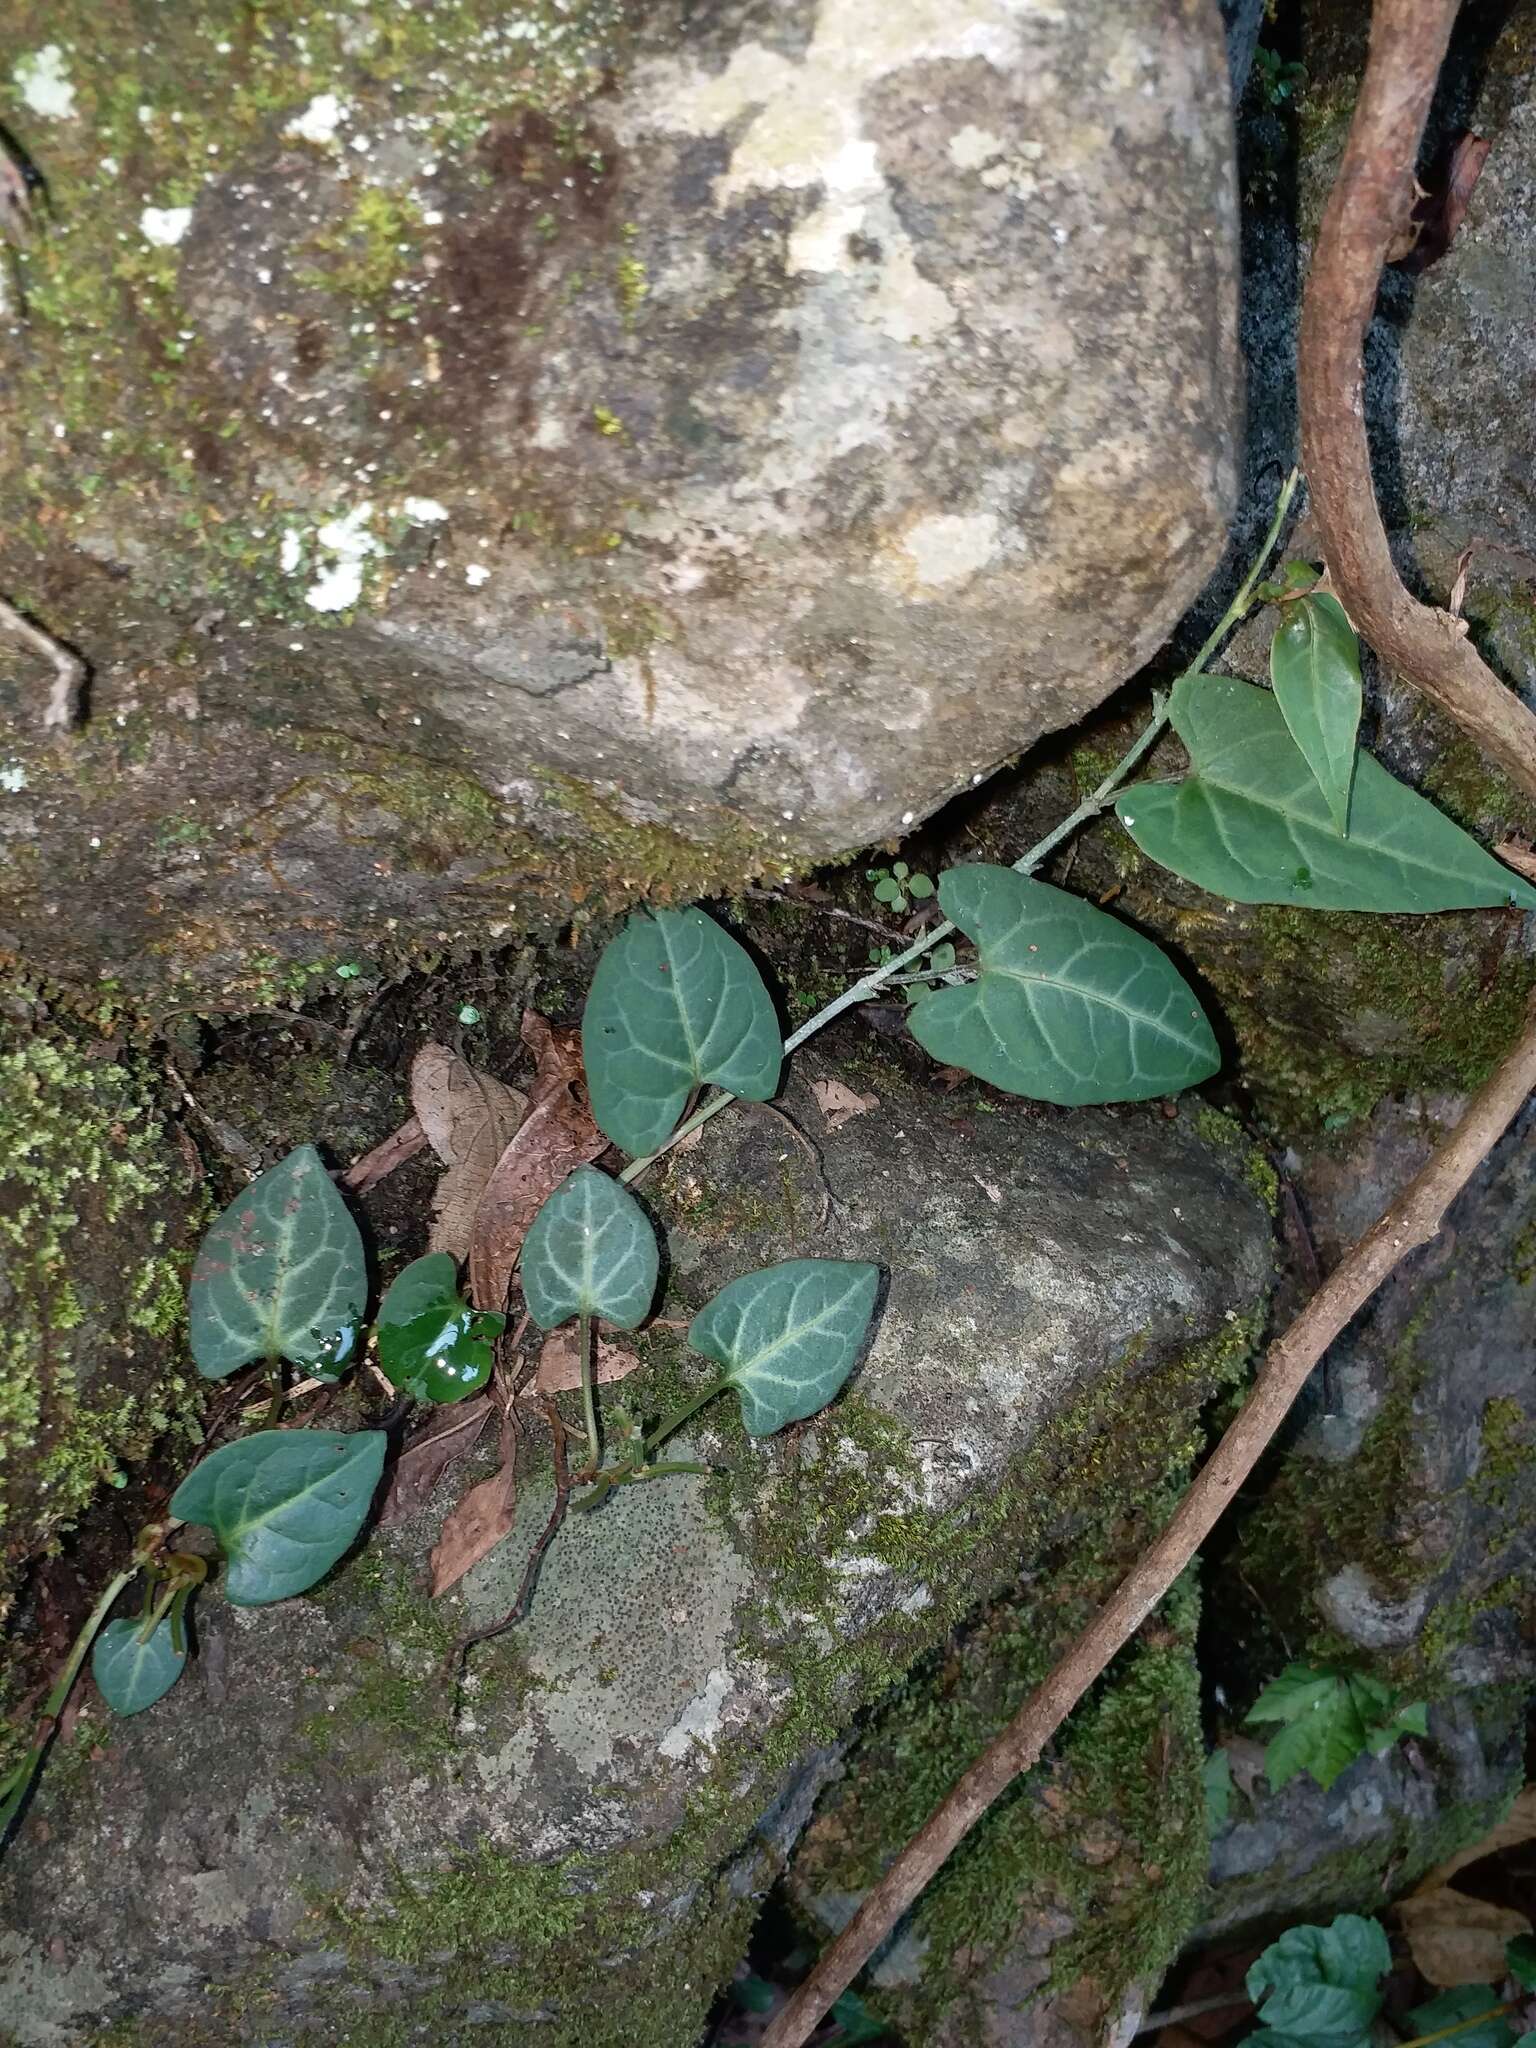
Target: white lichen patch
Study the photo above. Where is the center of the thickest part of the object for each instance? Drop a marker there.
(319, 121)
(164, 226)
(700, 1719)
(13, 778)
(424, 511)
(44, 83)
(349, 540)
(971, 147)
(945, 548)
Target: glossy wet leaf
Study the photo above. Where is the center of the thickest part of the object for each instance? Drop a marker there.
(1250, 823)
(432, 1344)
(1321, 1984)
(284, 1504)
(590, 1251)
(1070, 1004)
(788, 1336)
(1314, 665)
(281, 1274)
(131, 1675)
(674, 1002)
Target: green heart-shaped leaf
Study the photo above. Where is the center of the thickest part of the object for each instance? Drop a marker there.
(280, 1275)
(1070, 1006)
(1251, 824)
(1321, 1983)
(1314, 664)
(1520, 1958)
(675, 1001)
(284, 1504)
(788, 1336)
(432, 1344)
(131, 1675)
(589, 1251)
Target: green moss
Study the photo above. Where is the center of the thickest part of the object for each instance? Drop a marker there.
(1509, 1448)
(84, 1173)
(1217, 1128)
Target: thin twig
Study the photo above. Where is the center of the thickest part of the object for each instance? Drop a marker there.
(69, 670)
(519, 1607)
(865, 924)
(1371, 201)
(1413, 1220)
(1222, 2002)
(372, 1167)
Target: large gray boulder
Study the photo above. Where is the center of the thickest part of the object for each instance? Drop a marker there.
(309, 1834)
(699, 444)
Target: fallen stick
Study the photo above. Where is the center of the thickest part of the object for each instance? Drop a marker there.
(1371, 201)
(69, 670)
(1413, 1220)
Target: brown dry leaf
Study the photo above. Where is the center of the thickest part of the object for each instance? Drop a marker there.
(560, 1368)
(1457, 1940)
(555, 1137)
(476, 1525)
(470, 1119)
(838, 1103)
(1518, 1825)
(422, 1463)
(389, 1153)
(1516, 856)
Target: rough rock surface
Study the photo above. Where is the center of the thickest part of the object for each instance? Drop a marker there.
(306, 1822)
(1403, 1526)
(763, 424)
(1305, 1854)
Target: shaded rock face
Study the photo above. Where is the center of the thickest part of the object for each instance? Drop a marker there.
(1404, 1523)
(1305, 1854)
(770, 426)
(308, 1817)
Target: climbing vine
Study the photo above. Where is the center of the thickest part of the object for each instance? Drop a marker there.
(1054, 998)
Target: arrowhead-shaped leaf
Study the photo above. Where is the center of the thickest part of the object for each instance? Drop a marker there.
(432, 1344)
(788, 1336)
(1070, 1006)
(675, 1001)
(1251, 824)
(589, 1251)
(131, 1675)
(284, 1504)
(280, 1275)
(1314, 664)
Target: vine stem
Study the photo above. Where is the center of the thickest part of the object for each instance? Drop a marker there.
(879, 977)
(588, 1393)
(14, 1788)
(1414, 1219)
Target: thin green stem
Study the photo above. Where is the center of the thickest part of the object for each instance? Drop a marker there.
(670, 1424)
(878, 978)
(588, 1390)
(14, 1787)
(1478, 2019)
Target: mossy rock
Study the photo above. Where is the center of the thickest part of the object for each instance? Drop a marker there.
(312, 1836)
(98, 1220)
(1060, 1912)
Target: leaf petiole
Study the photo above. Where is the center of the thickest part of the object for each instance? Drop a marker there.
(15, 1786)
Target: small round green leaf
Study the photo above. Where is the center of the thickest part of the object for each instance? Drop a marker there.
(284, 1504)
(675, 1001)
(1070, 1006)
(589, 1251)
(280, 1275)
(432, 1344)
(788, 1336)
(131, 1675)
